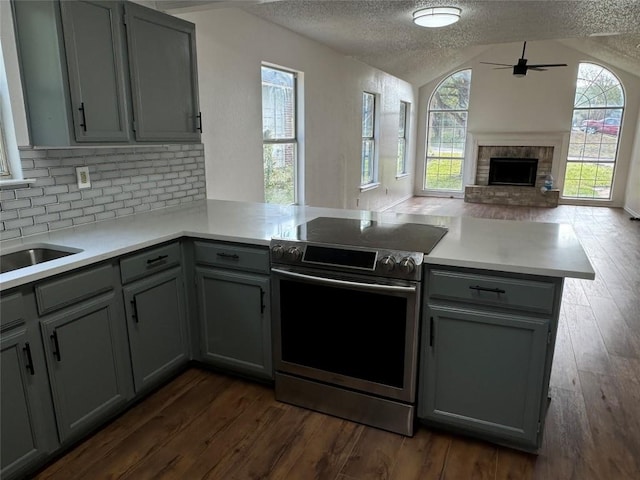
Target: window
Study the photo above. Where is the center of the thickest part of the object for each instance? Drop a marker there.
(447, 132)
(4, 164)
(403, 129)
(369, 168)
(595, 131)
(279, 136)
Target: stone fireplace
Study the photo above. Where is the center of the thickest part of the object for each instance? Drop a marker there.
(520, 182)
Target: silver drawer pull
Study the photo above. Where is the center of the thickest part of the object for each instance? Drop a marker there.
(485, 289)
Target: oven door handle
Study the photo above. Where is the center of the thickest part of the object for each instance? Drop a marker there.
(346, 283)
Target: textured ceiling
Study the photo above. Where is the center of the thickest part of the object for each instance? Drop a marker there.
(381, 33)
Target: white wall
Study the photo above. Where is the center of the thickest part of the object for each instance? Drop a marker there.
(632, 198)
(231, 48)
(541, 102)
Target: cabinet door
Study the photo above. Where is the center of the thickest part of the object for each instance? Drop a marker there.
(483, 372)
(156, 321)
(94, 45)
(162, 64)
(27, 427)
(235, 320)
(89, 366)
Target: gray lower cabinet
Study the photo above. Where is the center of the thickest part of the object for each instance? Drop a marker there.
(234, 308)
(86, 348)
(28, 431)
(156, 322)
(486, 353)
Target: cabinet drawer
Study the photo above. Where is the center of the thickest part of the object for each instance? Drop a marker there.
(11, 311)
(528, 295)
(232, 256)
(150, 261)
(73, 288)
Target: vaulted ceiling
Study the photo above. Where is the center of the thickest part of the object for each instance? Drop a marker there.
(381, 32)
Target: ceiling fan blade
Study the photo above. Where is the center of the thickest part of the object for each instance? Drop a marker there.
(536, 69)
(491, 63)
(502, 68)
(548, 65)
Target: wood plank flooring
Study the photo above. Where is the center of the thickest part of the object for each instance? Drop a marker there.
(208, 425)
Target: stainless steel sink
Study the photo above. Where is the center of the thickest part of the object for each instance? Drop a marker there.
(33, 255)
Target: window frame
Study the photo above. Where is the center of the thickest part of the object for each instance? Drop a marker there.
(583, 104)
(5, 170)
(284, 140)
(371, 141)
(403, 130)
(462, 157)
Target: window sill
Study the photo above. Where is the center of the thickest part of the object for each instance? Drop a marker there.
(369, 186)
(401, 175)
(17, 183)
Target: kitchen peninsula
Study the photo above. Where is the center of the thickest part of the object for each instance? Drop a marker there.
(499, 245)
(190, 263)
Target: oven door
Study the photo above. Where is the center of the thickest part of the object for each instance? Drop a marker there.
(348, 330)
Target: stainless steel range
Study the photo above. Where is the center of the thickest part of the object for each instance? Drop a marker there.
(346, 306)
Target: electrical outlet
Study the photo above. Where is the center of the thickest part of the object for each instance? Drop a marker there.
(83, 177)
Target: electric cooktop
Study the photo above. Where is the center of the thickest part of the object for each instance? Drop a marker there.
(409, 237)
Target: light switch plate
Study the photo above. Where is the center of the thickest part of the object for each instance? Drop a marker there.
(83, 177)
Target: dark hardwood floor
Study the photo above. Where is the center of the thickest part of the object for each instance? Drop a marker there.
(207, 425)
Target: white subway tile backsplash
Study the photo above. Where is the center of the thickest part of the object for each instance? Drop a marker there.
(124, 180)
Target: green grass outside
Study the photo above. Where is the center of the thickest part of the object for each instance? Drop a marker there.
(582, 180)
(588, 180)
(444, 174)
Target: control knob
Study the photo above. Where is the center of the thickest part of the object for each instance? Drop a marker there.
(407, 265)
(388, 263)
(294, 254)
(277, 251)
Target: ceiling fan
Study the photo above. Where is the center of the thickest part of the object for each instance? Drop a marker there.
(520, 69)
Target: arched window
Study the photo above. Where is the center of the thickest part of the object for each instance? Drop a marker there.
(447, 132)
(595, 131)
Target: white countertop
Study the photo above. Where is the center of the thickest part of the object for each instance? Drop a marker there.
(547, 249)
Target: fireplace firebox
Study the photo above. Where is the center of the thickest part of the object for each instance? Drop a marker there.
(513, 171)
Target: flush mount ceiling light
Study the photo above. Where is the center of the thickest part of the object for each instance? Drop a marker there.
(434, 17)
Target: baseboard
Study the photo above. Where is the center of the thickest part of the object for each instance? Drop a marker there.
(396, 203)
(631, 212)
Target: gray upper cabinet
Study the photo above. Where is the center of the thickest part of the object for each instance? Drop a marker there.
(94, 45)
(106, 72)
(162, 59)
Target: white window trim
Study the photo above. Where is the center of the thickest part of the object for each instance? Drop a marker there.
(407, 109)
(375, 183)
(298, 136)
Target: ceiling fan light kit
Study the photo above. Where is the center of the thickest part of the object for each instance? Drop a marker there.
(434, 17)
